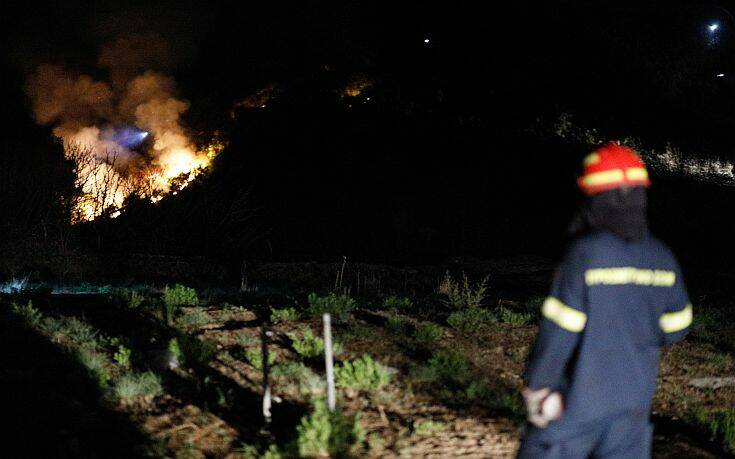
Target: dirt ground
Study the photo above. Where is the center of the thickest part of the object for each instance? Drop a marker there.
(216, 411)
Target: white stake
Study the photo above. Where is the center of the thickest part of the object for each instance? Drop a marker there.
(329, 361)
(266, 371)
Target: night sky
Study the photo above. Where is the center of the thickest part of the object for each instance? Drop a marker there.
(451, 153)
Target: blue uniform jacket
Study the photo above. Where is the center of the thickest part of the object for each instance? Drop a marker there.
(612, 306)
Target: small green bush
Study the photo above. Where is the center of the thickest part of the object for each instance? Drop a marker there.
(449, 368)
(324, 433)
(292, 370)
(96, 363)
(175, 297)
(28, 313)
(339, 306)
(245, 340)
(398, 303)
(80, 332)
(122, 355)
(398, 325)
(363, 373)
(509, 316)
(134, 385)
(284, 315)
(461, 294)
(53, 327)
(308, 345)
(428, 334)
(180, 295)
(191, 351)
(195, 316)
(123, 297)
(470, 319)
(254, 356)
(719, 425)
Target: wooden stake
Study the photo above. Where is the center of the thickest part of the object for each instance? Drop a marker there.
(329, 362)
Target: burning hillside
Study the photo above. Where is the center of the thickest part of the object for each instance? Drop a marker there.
(124, 135)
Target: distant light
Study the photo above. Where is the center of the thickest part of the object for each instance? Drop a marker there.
(720, 75)
(426, 40)
(368, 98)
(143, 134)
(713, 27)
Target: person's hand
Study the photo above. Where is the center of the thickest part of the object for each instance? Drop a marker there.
(542, 406)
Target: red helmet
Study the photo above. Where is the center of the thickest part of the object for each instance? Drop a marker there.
(612, 166)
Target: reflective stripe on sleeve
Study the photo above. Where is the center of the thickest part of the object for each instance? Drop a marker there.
(567, 318)
(676, 321)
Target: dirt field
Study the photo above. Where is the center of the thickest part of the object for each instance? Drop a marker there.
(451, 388)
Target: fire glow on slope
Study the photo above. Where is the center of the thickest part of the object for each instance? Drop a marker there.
(124, 136)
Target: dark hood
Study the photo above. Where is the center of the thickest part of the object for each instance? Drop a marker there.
(621, 211)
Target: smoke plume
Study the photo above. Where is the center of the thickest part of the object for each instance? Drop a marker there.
(130, 124)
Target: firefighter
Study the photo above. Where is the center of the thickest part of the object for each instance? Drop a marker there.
(616, 299)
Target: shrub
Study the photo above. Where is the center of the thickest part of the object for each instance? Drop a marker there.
(325, 433)
(195, 316)
(53, 327)
(398, 303)
(180, 295)
(398, 325)
(123, 297)
(134, 385)
(284, 315)
(308, 345)
(339, 306)
(719, 425)
(470, 319)
(254, 356)
(458, 383)
(122, 355)
(96, 363)
(191, 351)
(292, 370)
(428, 333)
(245, 340)
(28, 313)
(363, 373)
(449, 368)
(80, 332)
(509, 316)
(462, 294)
(176, 296)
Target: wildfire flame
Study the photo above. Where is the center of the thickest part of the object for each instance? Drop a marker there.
(103, 189)
(124, 136)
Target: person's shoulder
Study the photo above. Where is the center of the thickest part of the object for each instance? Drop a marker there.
(658, 248)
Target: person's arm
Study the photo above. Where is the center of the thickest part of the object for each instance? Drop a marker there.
(564, 318)
(676, 319)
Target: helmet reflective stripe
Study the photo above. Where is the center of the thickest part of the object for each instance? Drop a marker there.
(636, 173)
(633, 174)
(603, 178)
